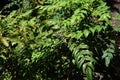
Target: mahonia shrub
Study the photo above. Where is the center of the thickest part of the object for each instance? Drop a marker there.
(55, 39)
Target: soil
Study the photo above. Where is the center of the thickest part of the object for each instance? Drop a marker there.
(115, 8)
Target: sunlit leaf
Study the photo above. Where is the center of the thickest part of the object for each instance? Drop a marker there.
(89, 73)
(4, 41)
(98, 28)
(92, 29)
(86, 33)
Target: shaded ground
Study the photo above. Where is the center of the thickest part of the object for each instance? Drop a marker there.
(115, 8)
(112, 73)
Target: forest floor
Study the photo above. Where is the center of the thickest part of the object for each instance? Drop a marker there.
(115, 8)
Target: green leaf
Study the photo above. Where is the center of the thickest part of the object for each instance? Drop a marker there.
(71, 46)
(56, 27)
(104, 17)
(4, 41)
(85, 52)
(32, 22)
(83, 46)
(23, 23)
(92, 29)
(31, 35)
(107, 61)
(36, 56)
(81, 62)
(25, 14)
(13, 13)
(75, 51)
(117, 28)
(32, 46)
(3, 57)
(91, 65)
(77, 59)
(98, 28)
(117, 17)
(108, 55)
(79, 34)
(19, 48)
(73, 35)
(86, 33)
(89, 73)
(84, 66)
(105, 54)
